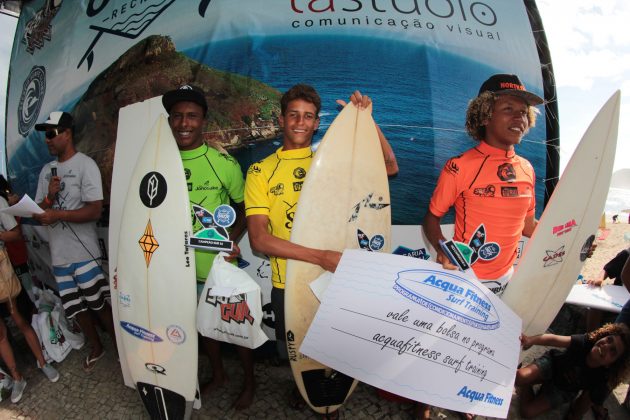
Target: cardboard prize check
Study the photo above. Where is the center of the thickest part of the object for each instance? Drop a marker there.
(408, 326)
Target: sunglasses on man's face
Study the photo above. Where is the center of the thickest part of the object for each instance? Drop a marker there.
(53, 133)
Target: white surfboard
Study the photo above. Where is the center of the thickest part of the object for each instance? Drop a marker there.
(553, 257)
(129, 143)
(344, 204)
(156, 287)
(608, 298)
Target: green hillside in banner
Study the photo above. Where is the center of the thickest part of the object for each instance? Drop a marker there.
(241, 109)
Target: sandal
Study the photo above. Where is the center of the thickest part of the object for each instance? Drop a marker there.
(90, 362)
(296, 401)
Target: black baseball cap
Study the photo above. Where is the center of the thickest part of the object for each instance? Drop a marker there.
(57, 119)
(509, 84)
(186, 93)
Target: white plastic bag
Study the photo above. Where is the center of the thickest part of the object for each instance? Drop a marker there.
(52, 336)
(53, 328)
(230, 307)
(35, 325)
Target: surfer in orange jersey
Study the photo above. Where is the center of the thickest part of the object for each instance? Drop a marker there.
(270, 216)
(490, 186)
(594, 363)
(213, 179)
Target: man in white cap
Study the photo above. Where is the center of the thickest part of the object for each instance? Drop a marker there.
(70, 192)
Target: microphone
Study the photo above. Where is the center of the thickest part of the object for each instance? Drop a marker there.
(53, 172)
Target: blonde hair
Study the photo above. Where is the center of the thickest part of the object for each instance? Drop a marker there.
(480, 110)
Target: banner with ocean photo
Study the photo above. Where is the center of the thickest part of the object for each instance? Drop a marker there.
(420, 61)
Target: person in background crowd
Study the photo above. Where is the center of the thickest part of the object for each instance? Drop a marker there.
(593, 363)
(70, 192)
(612, 270)
(18, 256)
(10, 232)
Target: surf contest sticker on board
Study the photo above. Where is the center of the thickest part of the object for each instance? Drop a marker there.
(213, 234)
(372, 202)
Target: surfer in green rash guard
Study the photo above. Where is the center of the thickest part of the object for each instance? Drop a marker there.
(214, 179)
(270, 216)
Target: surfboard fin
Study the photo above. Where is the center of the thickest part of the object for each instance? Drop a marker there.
(326, 389)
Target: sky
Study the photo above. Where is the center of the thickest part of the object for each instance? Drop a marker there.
(590, 51)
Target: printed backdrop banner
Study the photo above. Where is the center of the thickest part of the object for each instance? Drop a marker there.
(420, 61)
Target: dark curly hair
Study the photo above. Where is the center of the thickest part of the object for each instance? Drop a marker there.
(621, 367)
(305, 92)
(480, 110)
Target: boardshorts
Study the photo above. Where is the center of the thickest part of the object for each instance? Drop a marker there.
(554, 395)
(82, 286)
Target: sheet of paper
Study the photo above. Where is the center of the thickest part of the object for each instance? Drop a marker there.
(609, 297)
(408, 326)
(26, 207)
(320, 284)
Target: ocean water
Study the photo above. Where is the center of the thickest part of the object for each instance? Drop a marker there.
(420, 96)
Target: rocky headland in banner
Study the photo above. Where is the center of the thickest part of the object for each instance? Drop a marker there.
(241, 110)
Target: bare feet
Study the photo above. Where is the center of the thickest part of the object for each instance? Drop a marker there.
(247, 396)
(215, 383)
(423, 411)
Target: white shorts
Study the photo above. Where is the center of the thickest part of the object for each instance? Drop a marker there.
(497, 286)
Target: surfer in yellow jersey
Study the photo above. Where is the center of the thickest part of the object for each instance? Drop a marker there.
(213, 179)
(491, 188)
(270, 213)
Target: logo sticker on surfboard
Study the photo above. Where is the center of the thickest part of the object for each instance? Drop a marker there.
(175, 334)
(564, 228)
(375, 243)
(553, 257)
(160, 370)
(148, 243)
(140, 332)
(367, 202)
(124, 300)
(152, 190)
